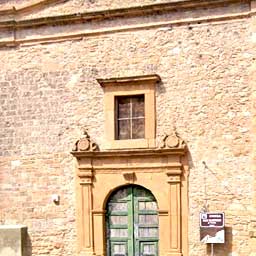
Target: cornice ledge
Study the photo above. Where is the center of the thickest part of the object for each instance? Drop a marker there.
(172, 144)
(113, 13)
(123, 80)
(129, 153)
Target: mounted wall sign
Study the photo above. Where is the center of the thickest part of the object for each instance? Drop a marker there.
(212, 227)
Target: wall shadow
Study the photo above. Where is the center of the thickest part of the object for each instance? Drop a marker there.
(189, 160)
(160, 87)
(27, 249)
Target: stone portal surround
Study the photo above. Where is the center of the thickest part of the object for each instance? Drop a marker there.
(162, 170)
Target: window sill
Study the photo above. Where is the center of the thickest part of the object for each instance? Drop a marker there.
(129, 144)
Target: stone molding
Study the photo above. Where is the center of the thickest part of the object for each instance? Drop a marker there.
(130, 152)
(105, 14)
(133, 79)
(28, 8)
(16, 24)
(129, 162)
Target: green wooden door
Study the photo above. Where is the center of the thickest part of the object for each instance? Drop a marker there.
(132, 223)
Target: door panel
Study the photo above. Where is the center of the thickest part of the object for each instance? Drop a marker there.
(148, 248)
(119, 233)
(119, 249)
(132, 223)
(145, 222)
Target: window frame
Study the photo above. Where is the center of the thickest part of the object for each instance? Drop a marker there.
(129, 86)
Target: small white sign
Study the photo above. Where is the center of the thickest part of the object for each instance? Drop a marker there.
(210, 237)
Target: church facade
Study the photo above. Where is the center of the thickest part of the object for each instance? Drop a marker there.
(122, 121)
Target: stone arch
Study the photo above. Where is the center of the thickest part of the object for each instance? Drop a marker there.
(116, 188)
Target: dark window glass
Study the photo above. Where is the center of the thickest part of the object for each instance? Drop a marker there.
(123, 107)
(124, 129)
(130, 117)
(138, 107)
(138, 128)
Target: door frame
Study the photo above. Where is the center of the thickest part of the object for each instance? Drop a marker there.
(132, 212)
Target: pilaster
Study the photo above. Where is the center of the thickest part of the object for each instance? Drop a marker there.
(174, 181)
(85, 221)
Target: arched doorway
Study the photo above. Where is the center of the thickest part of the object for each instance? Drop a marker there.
(132, 222)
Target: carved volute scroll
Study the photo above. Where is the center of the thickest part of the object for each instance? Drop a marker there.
(85, 143)
(172, 140)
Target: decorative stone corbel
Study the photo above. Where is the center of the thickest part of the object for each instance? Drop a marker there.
(85, 144)
(172, 140)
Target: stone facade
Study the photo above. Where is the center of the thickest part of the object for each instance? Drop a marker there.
(204, 53)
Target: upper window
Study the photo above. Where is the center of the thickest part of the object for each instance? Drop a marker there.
(129, 106)
(130, 117)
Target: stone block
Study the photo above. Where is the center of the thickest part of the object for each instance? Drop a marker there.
(12, 240)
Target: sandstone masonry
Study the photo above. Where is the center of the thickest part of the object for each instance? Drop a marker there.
(49, 93)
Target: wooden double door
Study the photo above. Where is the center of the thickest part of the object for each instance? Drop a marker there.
(132, 223)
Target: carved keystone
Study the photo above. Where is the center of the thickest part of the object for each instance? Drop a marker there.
(129, 176)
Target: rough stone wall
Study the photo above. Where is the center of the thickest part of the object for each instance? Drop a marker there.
(75, 6)
(17, 3)
(27, 184)
(70, 6)
(49, 93)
